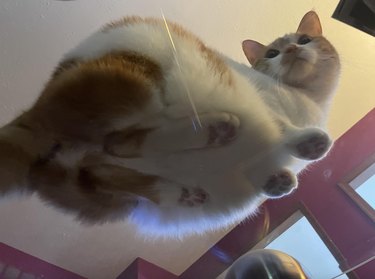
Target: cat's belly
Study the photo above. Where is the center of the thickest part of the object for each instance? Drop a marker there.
(196, 164)
(256, 138)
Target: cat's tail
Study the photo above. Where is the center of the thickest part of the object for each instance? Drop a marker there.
(21, 145)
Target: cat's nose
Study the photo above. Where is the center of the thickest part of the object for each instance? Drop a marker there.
(291, 48)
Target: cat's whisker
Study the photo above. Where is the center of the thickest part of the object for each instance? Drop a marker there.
(277, 77)
(186, 87)
(356, 63)
(194, 125)
(359, 65)
(323, 58)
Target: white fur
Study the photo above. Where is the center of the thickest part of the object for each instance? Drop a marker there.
(257, 100)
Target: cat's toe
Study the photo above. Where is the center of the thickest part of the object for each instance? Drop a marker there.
(193, 197)
(312, 145)
(223, 131)
(280, 184)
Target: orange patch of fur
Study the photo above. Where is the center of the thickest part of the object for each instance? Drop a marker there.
(14, 162)
(81, 101)
(213, 60)
(65, 66)
(78, 105)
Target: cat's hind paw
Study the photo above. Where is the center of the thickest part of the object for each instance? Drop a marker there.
(280, 184)
(311, 144)
(222, 130)
(193, 197)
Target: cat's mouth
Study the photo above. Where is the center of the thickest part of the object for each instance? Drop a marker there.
(292, 60)
(298, 68)
(298, 59)
(298, 63)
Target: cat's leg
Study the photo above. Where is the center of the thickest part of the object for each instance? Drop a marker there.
(271, 180)
(304, 143)
(122, 181)
(270, 173)
(20, 146)
(280, 183)
(176, 135)
(307, 143)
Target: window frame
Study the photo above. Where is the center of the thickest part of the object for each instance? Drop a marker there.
(303, 211)
(345, 186)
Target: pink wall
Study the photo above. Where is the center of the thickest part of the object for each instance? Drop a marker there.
(25, 263)
(141, 269)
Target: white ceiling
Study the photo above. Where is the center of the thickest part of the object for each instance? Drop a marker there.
(33, 36)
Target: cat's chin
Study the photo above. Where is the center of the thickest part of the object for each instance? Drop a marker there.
(299, 71)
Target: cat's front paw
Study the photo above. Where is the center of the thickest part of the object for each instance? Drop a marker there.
(280, 184)
(223, 129)
(311, 144)
(193, 197)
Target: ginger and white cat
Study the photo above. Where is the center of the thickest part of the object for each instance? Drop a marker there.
(178, 141)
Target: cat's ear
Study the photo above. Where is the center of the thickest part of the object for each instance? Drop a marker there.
(253, 50)
(310, 25)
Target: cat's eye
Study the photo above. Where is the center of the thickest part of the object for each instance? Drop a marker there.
(271, 53)
(303, 40)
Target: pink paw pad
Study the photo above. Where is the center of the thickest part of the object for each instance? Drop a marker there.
(314, 147)
(280, 184)
(221, 133)
(193, 197)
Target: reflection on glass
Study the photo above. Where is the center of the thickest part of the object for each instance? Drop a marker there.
(2, 267)
(367, 191)
(364, 185)
(11, 272)
(303, 243)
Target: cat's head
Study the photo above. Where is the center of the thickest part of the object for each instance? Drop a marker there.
(304, 59)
